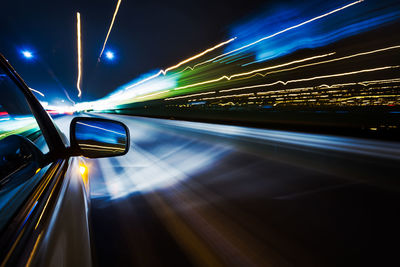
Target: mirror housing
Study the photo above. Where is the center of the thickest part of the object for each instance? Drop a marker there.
(98, 138)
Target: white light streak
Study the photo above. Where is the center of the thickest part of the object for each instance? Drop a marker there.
(36, 91)
(164, 72)
(287, 29)
(78, 29)
(109, 30)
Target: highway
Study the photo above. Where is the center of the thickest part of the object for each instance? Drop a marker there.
(192, 193)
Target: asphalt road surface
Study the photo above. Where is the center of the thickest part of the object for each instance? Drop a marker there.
(203, 194)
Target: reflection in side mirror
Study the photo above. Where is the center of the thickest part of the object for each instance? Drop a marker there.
(97, 138)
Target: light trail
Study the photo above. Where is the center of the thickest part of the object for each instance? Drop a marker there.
(78, 29)
(102, 148)
(339, 99)
(100, 128)
(192, 95)
(328, 61)
(287, 29)
(228, 96)
(164, 72)
(366, 96)
(109, 30)
(199, 55)
(36, 91)
(225, 77)
(277, 66)
(364, 83)
(158, 93)
(282, 65)
(314, 78)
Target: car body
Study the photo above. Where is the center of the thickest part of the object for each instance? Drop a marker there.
(44, 192)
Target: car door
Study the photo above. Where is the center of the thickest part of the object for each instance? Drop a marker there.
(43, 195)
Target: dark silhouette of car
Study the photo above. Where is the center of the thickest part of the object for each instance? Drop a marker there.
(44, 185)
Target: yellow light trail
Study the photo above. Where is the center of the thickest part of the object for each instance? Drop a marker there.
(164, 72)
(287, 29)
(78, 29)
(227, 96)
(225, 77)
(328, 61)
(366, 97)
(36, 91)
(192, 95)
(199, 55)
(109, 30)
(338, 100)
(314, 78)
(364, 83)
(158, 93)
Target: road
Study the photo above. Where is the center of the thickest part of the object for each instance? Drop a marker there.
(192, 193)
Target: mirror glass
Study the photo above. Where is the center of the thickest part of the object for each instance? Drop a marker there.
(100, 137)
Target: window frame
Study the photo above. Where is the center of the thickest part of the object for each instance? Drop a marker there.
(57, 148)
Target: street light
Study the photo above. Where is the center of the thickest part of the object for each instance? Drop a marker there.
(27, 54)
(110, 55)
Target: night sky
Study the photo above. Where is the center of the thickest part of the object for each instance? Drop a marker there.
(147, 35)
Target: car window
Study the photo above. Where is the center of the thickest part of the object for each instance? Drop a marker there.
(16, 117)
(22, 147)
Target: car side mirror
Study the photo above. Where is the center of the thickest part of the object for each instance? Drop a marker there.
(98, 138)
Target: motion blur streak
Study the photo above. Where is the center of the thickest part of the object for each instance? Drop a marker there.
(290, 63)
(192, 95)
(335, 59)
(164, 72)
(200, 159)
(103, 129)
(314, 78)
(290, 81)
(297, 44)
(79, 41)
(109, 30)
(199, 55)
(240, 193)
(287, 29)
(365, 83)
